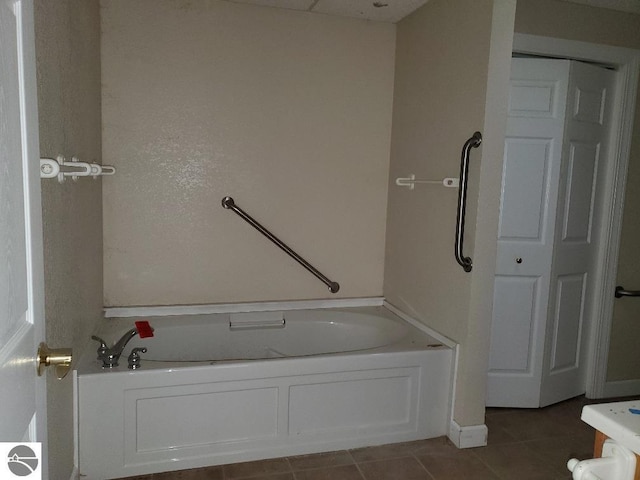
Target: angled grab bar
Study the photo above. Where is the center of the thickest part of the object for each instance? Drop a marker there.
(473, 142)
(228, 203)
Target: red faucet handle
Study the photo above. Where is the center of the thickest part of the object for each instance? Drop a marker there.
(144, 329)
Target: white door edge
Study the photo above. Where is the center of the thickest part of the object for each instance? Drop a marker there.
(627, 62)
(33, 209)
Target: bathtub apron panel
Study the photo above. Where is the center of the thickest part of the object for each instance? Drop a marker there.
(134, 422)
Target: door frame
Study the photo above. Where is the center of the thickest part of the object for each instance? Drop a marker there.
(627, 63)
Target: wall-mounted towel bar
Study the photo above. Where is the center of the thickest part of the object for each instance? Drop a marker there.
(473, 142)
(60, 168)
(411, 181)
(621, 292)
(228, 203)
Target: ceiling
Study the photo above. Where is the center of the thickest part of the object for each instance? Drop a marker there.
(394, 10)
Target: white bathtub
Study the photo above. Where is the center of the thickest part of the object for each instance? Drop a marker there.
(211, 393)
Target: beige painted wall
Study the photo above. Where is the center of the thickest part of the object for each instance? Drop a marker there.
(288, 112)
(577, 22)
(68, 71)
(451, 61)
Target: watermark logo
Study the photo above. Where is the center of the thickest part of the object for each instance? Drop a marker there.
(20, 460)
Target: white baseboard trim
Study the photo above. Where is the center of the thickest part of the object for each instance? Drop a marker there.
(622, 388)
(468, 437)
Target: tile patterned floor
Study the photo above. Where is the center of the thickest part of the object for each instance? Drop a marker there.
(523, 445)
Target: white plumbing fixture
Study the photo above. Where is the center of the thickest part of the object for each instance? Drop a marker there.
(616, 463)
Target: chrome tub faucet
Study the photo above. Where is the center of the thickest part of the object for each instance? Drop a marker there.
(110, 355)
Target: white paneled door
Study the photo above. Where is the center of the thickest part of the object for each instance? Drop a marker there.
(22, 393)
(554, 156)
(578, 220)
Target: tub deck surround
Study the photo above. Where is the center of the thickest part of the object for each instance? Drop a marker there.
(171, 310)
(389, 382)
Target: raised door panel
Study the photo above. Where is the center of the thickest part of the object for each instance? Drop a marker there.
(580, 192)
(590, 103)
(529, 98)
(516, 300)
(524, 180)
(567, 322)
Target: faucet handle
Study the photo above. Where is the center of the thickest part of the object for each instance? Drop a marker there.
(103, 344)
(102, 349)
(134, 357)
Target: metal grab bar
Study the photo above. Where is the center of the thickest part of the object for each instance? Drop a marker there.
(621, 292)
(228, 203)
(473, 142)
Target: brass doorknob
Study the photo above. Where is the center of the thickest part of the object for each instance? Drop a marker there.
(58, 357)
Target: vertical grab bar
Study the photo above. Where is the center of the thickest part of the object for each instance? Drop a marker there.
(473, 142)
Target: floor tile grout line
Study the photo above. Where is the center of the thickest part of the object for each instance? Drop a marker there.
(259, 475)
(353, 459)
(384, 458)
(424, 467)
(362, 475)
(392, 457)
(357, 464)
(491, 469)
(330, 467)
(542, 458)
(352, 462)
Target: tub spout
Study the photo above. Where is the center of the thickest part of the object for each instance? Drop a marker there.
(110, 355)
